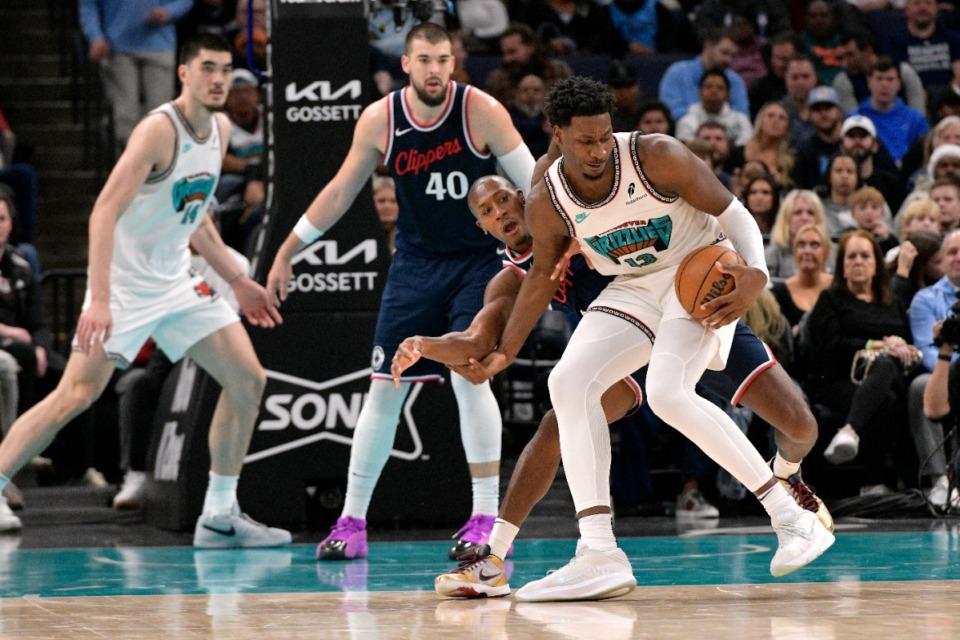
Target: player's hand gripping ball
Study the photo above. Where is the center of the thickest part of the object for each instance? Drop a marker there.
(698, 279)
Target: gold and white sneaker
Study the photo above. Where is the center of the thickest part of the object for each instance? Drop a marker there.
(480, 575)
(806, 496)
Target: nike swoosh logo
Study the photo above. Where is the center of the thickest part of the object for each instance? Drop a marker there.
(400, 132)
(580, 217)
(485, 577)
(224, 532)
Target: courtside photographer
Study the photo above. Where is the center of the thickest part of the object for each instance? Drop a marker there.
(941, 398)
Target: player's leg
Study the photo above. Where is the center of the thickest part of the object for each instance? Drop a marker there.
(408, 307)
(604, 349)
(776, 398)
(680, 356)
(228, 356)
(538, 463)
(84, 379)
(481, 425)
(480, 432)
(753, 378)
(532, 477)
(373, 439)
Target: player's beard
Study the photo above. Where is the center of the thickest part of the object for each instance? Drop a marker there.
(429, 100)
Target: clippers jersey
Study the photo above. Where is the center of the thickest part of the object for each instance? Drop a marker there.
(150, 242)
(634, 230)
(580, 285)
(433, 168)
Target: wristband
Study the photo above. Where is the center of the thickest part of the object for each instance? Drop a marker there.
(869, 345)
(305, 230)
(946, 357)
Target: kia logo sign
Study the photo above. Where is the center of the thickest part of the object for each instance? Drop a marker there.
(326, 253)
(322, 91)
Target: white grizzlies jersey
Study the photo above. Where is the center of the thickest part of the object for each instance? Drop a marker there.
(634, 230)
(152, 236)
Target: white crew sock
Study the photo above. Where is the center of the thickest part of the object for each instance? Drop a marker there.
(221, 494)
(784, 468)
(596, 531)
(501, 537)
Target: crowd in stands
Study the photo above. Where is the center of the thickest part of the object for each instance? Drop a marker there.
(837, 123)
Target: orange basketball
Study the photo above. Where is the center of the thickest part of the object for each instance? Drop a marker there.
(698, 280)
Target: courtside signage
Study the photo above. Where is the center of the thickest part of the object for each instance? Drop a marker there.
(310, 412)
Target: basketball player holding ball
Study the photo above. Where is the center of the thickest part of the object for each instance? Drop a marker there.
(637, 204)
(752, 378)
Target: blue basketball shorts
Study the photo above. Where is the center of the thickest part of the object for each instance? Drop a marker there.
(428, 296)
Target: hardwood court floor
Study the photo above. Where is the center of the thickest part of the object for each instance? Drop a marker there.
(713, 584)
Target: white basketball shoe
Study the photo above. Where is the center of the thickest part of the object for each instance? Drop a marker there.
(590, 575)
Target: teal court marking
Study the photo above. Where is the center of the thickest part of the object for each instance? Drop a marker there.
(411, 566)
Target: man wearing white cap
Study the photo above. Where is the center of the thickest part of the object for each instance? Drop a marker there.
(897, 125)
(858, 137)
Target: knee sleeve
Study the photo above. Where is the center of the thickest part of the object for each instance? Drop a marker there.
(480, 422)
(376, 428)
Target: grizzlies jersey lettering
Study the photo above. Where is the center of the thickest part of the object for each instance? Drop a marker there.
(150, 242)
(634, 230)
(433, 167)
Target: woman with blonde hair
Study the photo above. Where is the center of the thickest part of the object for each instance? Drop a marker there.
(798, 207)
(770, 143)
(798, 294)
